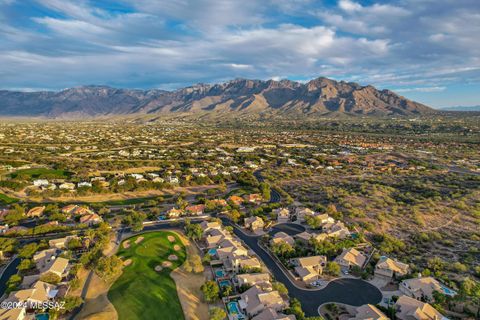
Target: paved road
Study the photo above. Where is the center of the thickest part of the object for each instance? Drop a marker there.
(354, 292)
(9, 270)
(275, 197)
(289, 228)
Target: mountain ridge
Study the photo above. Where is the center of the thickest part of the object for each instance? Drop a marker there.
(266, 98)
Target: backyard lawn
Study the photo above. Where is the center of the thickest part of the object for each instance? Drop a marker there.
(141, 292)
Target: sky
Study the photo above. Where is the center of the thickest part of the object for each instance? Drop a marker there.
(425, 50)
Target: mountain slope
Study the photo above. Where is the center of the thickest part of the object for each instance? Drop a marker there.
(320, 96)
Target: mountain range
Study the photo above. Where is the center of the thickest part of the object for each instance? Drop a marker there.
(462, 108)
(240, 97)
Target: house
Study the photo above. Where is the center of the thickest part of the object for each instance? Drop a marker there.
(60, 243)
(13, 314)
(79, 211)
(36, 211)
(91, 219)
(423, 288)
(272, 314)
(69, 209)
(3, 229)
(214, 237)
(369, 312)
(309, 268)
(255, 224)
(245, 262)
(40, 183)
(40, 292)
(256, 299)
(336, 229)
(412, 309)
(236, 200)
(283, 215)
(59, 267)
(174, 213)
(250, 279)
(282, 237)
(324, 218)
(389, 268)
(350, 257)
(302, 213)
(209, 225)
(44, 257)
(253, 198)
(84, 184)
(67, 186)
(195, 209)
(304, 237)
(219, 202)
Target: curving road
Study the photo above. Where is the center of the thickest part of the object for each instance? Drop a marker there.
(354, 292)
(275, 197)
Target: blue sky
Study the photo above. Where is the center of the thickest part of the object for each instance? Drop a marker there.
(427, 50)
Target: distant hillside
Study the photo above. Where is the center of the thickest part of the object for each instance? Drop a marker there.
(239, 97)
(461, 108)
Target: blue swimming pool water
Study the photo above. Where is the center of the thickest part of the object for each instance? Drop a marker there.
(224, 283)
(233, 308)
(212, 252)
(449, 292)
(219, 273)
(42, 316)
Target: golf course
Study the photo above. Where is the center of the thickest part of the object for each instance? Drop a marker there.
(145, 289)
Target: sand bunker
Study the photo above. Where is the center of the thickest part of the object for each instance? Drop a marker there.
(171, 238)
(138, 240)
(166, 264)
(176, 247)
(126, 244)
(172, 257)
(158, 268)
(127, 262)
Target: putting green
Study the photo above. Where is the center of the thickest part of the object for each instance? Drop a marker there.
(141, 292)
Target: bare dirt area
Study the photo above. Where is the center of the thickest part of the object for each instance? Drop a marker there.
(138, 240)
(97, 306)
(188, 287)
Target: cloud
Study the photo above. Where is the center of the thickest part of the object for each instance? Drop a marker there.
(413, 45)
(421, 89)
(349, 6)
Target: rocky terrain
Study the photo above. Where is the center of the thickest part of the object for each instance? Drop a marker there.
(238, 97)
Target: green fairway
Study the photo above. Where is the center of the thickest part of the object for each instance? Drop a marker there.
(4, 199)
(36, 173)
(141, 292)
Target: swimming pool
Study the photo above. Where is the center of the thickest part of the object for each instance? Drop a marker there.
(225, 283)
(42, 316)
(219, 273)
(212, 252)
(234, 310)
(448, 291)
